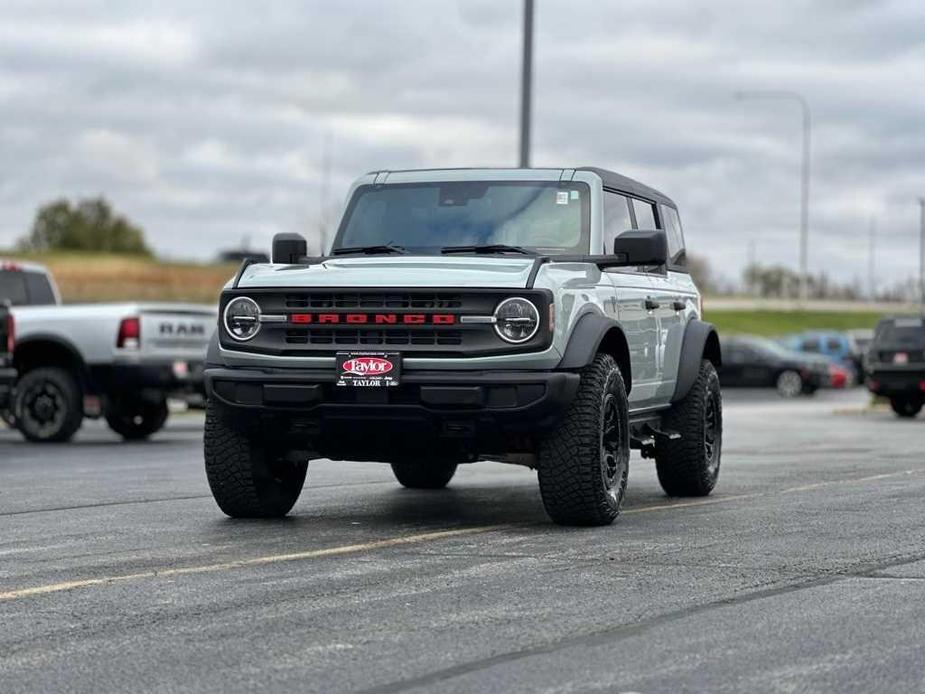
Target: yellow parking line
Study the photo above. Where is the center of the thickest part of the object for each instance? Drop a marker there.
(255, 561)
(394, 542)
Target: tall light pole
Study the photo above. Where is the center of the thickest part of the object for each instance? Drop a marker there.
(871, 262)
(804, 187)
(922, 250)
(526, 86)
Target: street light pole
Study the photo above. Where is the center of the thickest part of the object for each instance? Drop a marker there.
(922, 250)
(526, 85)
(804, 176)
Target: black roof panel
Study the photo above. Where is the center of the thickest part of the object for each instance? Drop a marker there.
(616, 181)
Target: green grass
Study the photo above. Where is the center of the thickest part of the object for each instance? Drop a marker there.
(773, 323)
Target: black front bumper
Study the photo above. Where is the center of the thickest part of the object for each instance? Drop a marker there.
(481, 408)
(7, 379)
(889, 382)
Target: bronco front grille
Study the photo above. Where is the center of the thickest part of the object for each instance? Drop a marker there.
(418, 323)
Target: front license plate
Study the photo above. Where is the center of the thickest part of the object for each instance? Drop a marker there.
(368, 369)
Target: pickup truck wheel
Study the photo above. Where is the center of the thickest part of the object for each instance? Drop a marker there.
(424, 474)
(584, 463)
(248, 478)
(48, 407)
(135, 421)
(906, 406)
(689, 465)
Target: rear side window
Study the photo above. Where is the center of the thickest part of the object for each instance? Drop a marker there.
(616, 218)
(812, 344)
(672, 223)
(13, 288)
(645, 215)
(38, 287)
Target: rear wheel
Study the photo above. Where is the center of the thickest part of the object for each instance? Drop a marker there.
(906, 405)
(424, 474)
(584, 462)
(248, 477)
(789, 384)
(689, 465)
(48, 406)
(138, 419)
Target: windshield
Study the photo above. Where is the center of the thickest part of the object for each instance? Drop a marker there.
(902, 332)
(545, 217)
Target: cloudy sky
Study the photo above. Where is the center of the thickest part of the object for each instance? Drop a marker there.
(207, 122)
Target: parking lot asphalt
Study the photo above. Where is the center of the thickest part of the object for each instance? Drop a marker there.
(804, 571)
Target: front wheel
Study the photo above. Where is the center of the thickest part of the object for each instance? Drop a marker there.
(248, 477)
(137, 420)
(584, 462)
(689, 465)
(906, 406)
(48, 407)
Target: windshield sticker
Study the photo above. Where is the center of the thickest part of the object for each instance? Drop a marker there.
(575, 194)
(562, 197)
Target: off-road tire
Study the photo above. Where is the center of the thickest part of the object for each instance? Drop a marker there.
(906, 406)
(424, 474)
(135, 421)
(43, 388)
(578, 484)
(689, 465)
(248, 478)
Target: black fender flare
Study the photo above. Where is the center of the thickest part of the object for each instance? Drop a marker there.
(701, 341)
(213, 357)
(593, 332)
(57, 342)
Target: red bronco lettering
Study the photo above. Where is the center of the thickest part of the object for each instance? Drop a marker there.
(373, 318)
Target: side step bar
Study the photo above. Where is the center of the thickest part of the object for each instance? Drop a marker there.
(646, 431)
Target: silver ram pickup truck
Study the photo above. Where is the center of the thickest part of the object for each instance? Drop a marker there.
(120, 361)
(543, 317)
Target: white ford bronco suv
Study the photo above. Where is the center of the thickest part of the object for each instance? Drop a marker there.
(543, 317)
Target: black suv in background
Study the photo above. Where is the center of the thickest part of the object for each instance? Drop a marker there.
(7, 374)
(896, 363)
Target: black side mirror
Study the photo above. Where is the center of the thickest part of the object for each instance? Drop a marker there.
(642, 247)
(289, 248)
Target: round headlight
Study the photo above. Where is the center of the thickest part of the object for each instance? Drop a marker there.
(242, 318)
(516, 320)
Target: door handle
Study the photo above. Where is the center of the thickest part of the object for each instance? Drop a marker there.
(652, 304)
(678, 305)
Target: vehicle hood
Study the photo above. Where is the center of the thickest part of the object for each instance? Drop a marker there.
(395, 271)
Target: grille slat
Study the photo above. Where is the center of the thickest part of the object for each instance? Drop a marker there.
(363, 336)
(436, 300)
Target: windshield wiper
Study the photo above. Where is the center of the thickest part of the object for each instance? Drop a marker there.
(369, 250)
(489, 248)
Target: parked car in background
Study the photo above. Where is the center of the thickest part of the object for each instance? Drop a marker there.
(833, 345)
(896, 364)
(7, 372)
(758, 362)
(120, 361)
(860, 340)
